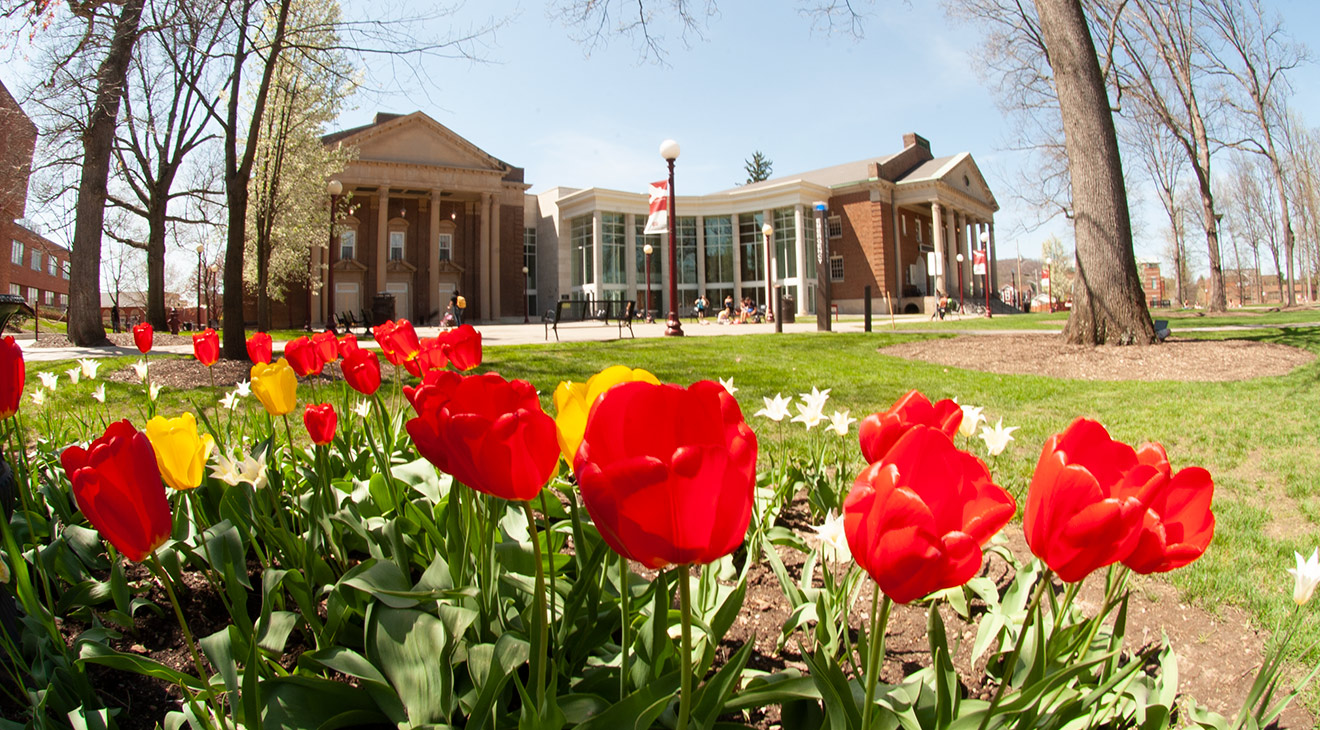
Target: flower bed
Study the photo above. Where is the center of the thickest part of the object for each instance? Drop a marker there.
(447, 553)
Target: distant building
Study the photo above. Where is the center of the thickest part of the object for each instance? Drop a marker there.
(32, 266)
(1152, 284)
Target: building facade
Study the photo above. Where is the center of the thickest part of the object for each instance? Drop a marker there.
(32, 266)
(423, 214)
(895, 224)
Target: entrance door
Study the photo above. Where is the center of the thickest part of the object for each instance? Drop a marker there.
(402, 302)
(444, 291)
(348, 299)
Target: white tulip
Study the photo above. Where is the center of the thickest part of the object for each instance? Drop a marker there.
(777, 409)
(1307, 575)
(996, 439)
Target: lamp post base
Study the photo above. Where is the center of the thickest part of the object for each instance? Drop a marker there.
(673, 328)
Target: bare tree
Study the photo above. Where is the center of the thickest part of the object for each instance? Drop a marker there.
(1161, 71)
(164, 122)
(1159, 155)
(1252, 211)
(1255, 54)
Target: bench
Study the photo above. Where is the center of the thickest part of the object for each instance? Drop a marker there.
(581, 310)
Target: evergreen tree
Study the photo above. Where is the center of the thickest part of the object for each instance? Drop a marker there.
(758, 168)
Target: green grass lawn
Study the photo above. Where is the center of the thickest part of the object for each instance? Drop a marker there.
(1257, 438)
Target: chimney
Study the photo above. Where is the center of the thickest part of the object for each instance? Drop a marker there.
(912, 139)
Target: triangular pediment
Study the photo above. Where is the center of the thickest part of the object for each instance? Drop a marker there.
(400, 266)
(966, 177)
(417, 139)
(449, 267)
(349, 265)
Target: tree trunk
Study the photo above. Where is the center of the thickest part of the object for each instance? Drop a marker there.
(263, 284)
(85, 325)
(1108, 303)
(156, 265)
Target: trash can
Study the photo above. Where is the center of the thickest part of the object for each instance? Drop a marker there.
(382, 308)
(787, 309)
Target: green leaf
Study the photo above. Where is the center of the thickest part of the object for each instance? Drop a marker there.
(90, 653)
(312, 703)
(638, 710)
(836, 692)
(273, 633)
(947, 689)
(490, 666)
(422, 477)
(709, 699)
(218, 648)
(405, 645)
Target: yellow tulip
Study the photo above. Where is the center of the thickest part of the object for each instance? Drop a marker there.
(180, 453)
(276, 386)
(573, 403)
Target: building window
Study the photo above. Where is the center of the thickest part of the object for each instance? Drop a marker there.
(920, 225)
(52, 266)
(657, 243)
(16, 254)
(719, 252)
(348, 245)
(444, 246)
(36, 261)
(810, 247)
(396, 245)
(529, 261)
(836, 226)
(612, 244)
(836, 268)
(904, 219)
(66, 268)
(16, 290)
(50, 297)
(32, 295)
(785, 237)
(686, 243)
(752, 246)
(580, 247)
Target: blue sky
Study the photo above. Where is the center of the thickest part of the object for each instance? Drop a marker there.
(760, 79)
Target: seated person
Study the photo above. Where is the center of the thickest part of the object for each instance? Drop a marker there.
(724, 317)
(748, 311)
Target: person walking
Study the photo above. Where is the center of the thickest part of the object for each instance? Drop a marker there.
(458, 305)
(701, 305)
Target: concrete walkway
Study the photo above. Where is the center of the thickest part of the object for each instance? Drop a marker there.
(535, 333)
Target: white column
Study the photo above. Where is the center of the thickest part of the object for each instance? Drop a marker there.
(382, 236)
(800, 239)
(937, 229)
(701, 255)
(771, 271)
(737, 260)
(483, 257)
(993, 257)
(597, 256)
(630, 259)
(433, 263)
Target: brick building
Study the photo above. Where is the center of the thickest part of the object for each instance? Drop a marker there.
(895, 223)
(32, 267)
(1152, 283)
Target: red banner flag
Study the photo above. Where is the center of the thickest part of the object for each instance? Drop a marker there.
(658, 219)
(978, 263)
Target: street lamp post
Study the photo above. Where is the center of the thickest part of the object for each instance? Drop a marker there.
(669, 151)
(822, 269)
(334, 188)
(648, 249)
(768, 231)
(524, 295)
(200, 249)
(960, 282)
(985, 247)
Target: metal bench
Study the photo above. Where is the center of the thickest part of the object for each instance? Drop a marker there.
(581, 310)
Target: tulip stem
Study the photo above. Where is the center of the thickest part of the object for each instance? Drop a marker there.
(545, 512)
(1011, 665)
(542, 632)
(685, 676)
(168, 585)
(875, 650)
(625, 593)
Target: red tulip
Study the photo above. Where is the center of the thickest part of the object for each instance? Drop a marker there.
(880, 431)
(917, 519)
(462, 347)
(488, 432)
(1178, 523)
(362, 371)
(304, 358)
(320, 421)
(13, 373)
(398, 340)
(348, 343)
(682, 494)
(142, 335)
(430, 357)
(1083, 510)
(259, 348)
(327, 346)
(117, 485)
(206, 347)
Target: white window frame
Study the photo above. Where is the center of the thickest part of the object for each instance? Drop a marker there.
(32, 295)
(444, 246)
(16, 290)
(835, 225)
(36, 260)
(16, 253)
(836, 267)
(67, 265)
(52, 265)
(402, 248)
(348, 241)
